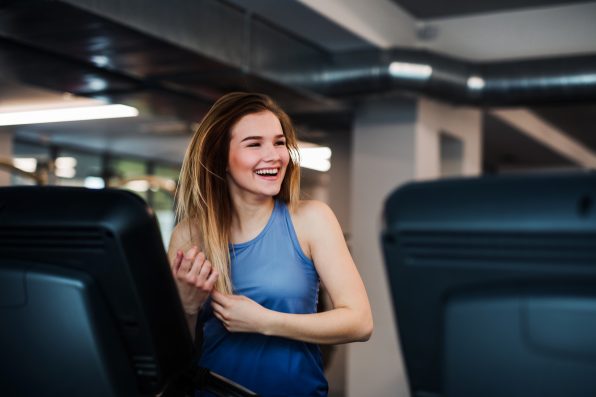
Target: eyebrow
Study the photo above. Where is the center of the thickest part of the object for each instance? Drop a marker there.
(259, 138)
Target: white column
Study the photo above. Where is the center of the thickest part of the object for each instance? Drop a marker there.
(340, 143)
(5, 152)
(463, 123)
(394, 142)
(383, 156)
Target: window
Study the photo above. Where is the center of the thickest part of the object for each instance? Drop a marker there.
(30, 158)
(74, 168)
(163, 200)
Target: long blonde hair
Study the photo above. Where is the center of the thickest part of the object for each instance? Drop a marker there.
(203, 198)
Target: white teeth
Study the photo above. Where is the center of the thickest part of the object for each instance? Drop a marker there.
(268, 171)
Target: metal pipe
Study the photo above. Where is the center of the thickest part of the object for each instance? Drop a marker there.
(511, 83)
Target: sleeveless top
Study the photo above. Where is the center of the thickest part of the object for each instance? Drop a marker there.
(272, 270)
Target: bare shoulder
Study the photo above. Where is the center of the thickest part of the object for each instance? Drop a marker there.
(184, 236)
(313, 212)
(311, 218)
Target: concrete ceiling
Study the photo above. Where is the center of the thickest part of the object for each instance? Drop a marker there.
(172, 60)
(428, 9)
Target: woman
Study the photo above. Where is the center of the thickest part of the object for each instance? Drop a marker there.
(248, 255)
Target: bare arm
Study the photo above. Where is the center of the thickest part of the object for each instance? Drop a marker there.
(350, 319)
(193, 273)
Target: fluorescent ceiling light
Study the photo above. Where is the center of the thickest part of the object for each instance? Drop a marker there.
(316, 158)
(66, 162)
(138, 185)
(97, 84)
(67, 114)
(65, 167)
(94, 182)
(100, 60)
(65, 172)
(408, 70)
(28, 164)
(475, 83)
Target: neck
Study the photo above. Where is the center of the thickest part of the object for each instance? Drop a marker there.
(250, 214)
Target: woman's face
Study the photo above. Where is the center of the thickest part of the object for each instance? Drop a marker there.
(258, 156)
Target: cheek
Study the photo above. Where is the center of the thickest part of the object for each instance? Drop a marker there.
(285, 157)
(237, 163)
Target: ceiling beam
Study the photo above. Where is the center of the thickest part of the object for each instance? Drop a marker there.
(525, 33)
(380, 22)
(535, 127)
(482, 37)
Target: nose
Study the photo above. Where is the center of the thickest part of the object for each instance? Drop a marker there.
(271, 153)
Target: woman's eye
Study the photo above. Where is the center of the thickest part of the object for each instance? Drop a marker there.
(280, 143)
(252, 145)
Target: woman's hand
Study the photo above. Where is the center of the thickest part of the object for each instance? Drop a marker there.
(239, 313)
(195, 278)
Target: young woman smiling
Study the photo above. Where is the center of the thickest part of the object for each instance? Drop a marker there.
(248, 256)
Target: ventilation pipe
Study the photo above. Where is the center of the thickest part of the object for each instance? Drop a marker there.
(256, 51)
(571, 79)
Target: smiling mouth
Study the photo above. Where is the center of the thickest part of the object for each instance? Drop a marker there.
(267, 172)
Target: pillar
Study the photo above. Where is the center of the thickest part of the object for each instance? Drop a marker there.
(394, 141)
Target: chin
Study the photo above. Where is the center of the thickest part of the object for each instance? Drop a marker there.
(271, 192)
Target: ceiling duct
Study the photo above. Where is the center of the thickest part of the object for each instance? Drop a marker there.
(249, 48)
(169, 59)
(510, 83)
(179, 49)
(258, 49)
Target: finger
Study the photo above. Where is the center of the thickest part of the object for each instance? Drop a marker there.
(223, 321)
(219, 310)
(205, 272)
(218, 316)
(177, 261)
(211, 280)
(192, 252)
(219, 297)
(187, 261)
(198, 264)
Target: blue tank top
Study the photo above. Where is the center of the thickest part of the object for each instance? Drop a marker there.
(272, 270)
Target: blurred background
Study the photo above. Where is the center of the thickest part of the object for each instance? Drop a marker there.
(106, 93)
